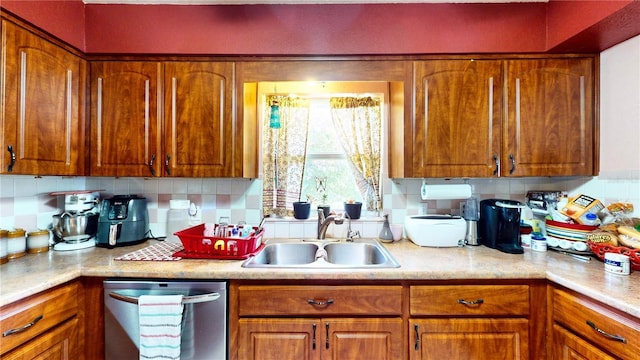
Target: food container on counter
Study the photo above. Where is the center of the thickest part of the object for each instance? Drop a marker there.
(3, 246)
(38, 241)
(16, 244)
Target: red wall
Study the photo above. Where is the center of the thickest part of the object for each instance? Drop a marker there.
(556, 26)
(316, 29)
(63, 19)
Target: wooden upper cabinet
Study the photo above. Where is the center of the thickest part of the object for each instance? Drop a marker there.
(162, 119)
(550, 117)
(199, 138)
(456, 131)
(125, 120)
(42, 114)
(490, 118)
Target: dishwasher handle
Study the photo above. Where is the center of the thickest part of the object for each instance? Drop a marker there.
(192, 299)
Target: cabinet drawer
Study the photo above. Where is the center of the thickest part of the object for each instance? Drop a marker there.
(36, 315)
(576, 313)
(319, 300)
(469, 300)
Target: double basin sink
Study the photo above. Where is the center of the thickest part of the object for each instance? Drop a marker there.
(360, 253)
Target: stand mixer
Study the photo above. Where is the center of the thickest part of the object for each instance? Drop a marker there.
(75, 228)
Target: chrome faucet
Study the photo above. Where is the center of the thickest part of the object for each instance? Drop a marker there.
(323, 223)
(351, 234)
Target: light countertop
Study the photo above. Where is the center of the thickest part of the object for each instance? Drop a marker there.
(37, 272)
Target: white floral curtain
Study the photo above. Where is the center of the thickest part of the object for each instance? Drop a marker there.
(358, 124)
(284, 152)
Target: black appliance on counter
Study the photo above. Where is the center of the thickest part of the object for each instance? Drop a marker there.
(124, 220)
(499, 225)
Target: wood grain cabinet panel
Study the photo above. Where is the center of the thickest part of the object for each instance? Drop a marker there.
(471, 322)
(594, 324)
(468, 339)
(319, 322)
(470, 300)
(500, 117)
(162, 119)
(57, 344)
(549, 128)
(36, 317)
(125, 118)
(456, 131)
(42, 110)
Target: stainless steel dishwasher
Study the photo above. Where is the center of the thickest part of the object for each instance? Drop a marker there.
(204, 318)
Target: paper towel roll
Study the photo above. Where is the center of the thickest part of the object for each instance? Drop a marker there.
(440, 192)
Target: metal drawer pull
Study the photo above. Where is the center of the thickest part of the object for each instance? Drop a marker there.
(470, 303)
(194, 299)
(151, 169)
(320, 303)
(416, 347)
(21, 329)
(513, 163)
(326, 329)
(314, 336)
(606, 334)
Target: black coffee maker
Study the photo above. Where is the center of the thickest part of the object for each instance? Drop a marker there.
(499, 225)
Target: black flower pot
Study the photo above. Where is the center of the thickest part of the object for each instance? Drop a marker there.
(301, 210)
(326, 209)
(353, 210)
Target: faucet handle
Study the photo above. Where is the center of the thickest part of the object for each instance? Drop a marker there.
(351, 234)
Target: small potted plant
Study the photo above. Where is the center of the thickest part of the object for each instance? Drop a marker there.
(321, 188)
(302, 209)
(353, 209)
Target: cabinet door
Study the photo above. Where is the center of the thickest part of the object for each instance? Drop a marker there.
(199, 136)
(277, 339)
(371, 339)
(550, 118)
(59, 343)
(42, 114)
(567, 346)
(125, 125)
(468, 339)
(457, 118)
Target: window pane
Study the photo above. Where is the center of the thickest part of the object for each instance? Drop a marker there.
(341, 185)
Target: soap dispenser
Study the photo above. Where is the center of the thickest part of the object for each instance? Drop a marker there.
(385, 234)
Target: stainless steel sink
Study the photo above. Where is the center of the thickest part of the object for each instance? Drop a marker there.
(287, 254)
(361, 253)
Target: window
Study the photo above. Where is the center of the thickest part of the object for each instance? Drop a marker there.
(326, 159)
(329, 133)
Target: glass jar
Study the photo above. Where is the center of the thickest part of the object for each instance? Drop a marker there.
(3, 246)
(38, 241)
(16, 244)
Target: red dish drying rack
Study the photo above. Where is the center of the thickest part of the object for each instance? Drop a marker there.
(198, 246)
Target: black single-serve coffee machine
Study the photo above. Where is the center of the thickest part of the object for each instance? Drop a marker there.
(499, 225)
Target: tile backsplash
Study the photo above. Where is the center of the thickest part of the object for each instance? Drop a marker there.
(25, 203)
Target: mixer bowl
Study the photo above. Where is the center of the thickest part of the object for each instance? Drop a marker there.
(73, 225)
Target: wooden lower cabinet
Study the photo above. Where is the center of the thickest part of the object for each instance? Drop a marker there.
(331, 338)
(57, 344)
(469, 339)
(328, 322)
(568, 346)
(583, 328)
(46, 325)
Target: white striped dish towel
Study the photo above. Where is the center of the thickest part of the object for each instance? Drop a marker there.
(160, 321)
